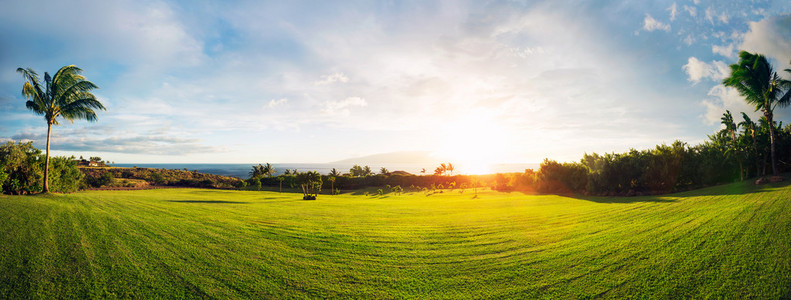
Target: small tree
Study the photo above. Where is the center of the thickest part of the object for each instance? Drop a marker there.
(262, 170)
(310, 182)
(331, 178)
(384, 171)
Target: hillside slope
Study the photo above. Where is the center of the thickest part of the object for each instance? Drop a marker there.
(728, 241)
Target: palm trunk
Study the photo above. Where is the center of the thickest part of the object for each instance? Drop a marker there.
(46, 159)
(755, 151)
(738, 156)
(772, 142)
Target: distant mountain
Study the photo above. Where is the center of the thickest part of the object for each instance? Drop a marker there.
(402, 157)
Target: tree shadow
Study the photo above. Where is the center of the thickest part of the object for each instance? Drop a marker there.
(620, 199)
(208, 201)
(738, 188)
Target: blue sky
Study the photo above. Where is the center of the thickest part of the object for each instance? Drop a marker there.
(320, 81)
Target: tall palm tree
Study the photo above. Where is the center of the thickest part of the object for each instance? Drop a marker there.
(749, 127)
(67, 95)
(730, 129)
(760, 85)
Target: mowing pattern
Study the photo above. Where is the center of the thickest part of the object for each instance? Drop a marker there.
(727, 242)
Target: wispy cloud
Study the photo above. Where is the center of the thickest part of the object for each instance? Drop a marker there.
(651, 24)
(332, 78)
(673, 11)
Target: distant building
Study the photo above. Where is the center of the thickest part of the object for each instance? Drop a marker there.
(89, 163)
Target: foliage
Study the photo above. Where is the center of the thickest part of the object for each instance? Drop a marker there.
(23, 165)
(754, 78)
(562, 178)
(67, 94)
(143, 177)
(262, 170)
(310, 182)
(357, 171)
(64, 175)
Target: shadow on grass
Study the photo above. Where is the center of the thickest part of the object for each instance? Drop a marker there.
(656, 199)
(207, 201)
(738, 188)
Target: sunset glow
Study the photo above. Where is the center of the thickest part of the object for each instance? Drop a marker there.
(473, 82)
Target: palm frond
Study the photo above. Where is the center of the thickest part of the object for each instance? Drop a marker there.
(82, 108)
(63, 97)
(32, 79)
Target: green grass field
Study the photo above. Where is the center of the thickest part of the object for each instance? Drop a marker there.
(728, 241)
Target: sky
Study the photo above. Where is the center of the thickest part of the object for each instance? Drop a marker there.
(322, 81)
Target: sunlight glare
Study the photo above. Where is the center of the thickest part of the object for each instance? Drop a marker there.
(474, 144)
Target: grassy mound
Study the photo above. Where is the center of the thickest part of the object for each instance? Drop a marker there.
(728, 241)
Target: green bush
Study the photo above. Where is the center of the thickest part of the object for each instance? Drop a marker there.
(23, 165)
(64, 176)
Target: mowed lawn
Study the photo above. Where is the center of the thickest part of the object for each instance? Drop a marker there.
(729, 241)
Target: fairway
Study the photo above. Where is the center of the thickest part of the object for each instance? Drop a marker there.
(728, 241)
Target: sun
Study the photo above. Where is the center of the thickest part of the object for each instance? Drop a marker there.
(474, 144)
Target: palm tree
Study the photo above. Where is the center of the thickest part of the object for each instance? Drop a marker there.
(331, 178)
(268, 170)
(67, 95)
(730, 129)
(749, 126)
(760, 85)
(450, 168)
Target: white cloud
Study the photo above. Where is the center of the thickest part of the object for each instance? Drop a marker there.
(275, 103)
(332, 78)
(342, 107)
(727, 51)
(693, 11)
(673, 11)
(771, 37)
(726, 98)
(723, 18)
(698, 70)
(651, 24)
(709, 14)
(689, 40)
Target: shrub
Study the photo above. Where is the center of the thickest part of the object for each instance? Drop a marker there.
(106, 179)
(23, 165)
(64, 176)
(156, 178)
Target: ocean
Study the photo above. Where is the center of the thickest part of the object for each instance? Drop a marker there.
(243, 170)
